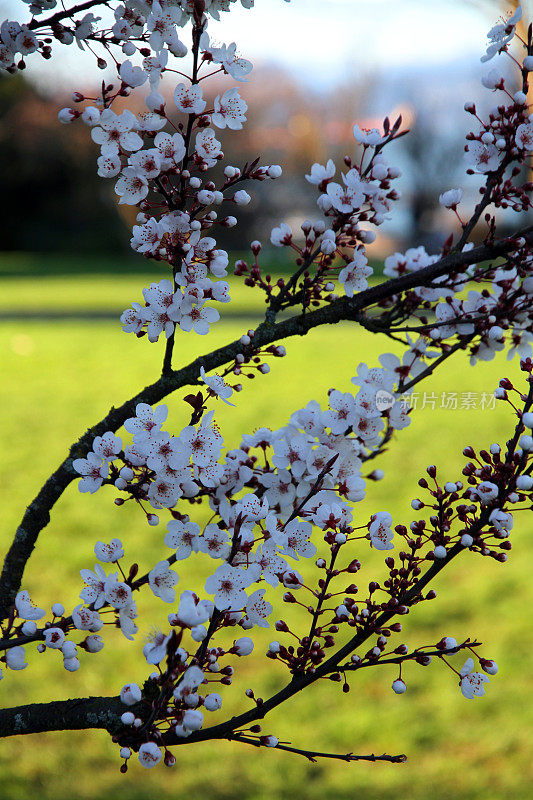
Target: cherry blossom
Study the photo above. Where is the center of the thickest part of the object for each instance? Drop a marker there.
(162, 581)
(225, 55)
(109, 165)
(487, 492)
(132, 186)
(26, 609)
(471, 683)
(320, 174)
(132, 319)
(146, 162)
(93, 469)
(149, 755)
(182, 537)
(228, 586)
(94, 592)
(380, 531)
(501, 34)
(162, 24)
(369, 137)
(218, 386)
(86, 620)
(130, 694)
(189, 99)
(126, 614)
(451, 198)
(345, 198)
(116, 131)
(54, 638)
(107, 446)
(132, 76)
(147, 420)
(229, 111)
(155, 649)
(294, 539)
(333, 515)
(117, 593)
(208, 146)
(524, 136)
(257, 608)
(171, 149)
(197, 318)
(482, 157)
(354, 275)
(281, 236)
(214, 542)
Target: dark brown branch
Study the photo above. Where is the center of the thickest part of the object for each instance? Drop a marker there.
(37, 515)
(299, 682)
(407, 657)
(196, 34)
(105, 712)
(313, 755)
(63, 715)
(60, 15)
(492, 181)
(432, 366)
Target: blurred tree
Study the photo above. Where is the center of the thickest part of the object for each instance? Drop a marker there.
(431, 159)
(48, 174)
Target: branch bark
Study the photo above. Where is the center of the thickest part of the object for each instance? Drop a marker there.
(62, 715)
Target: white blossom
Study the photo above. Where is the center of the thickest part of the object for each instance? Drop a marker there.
(369, 137)
(471, 683)
(130, 694)
(319, 173)
(189, 98)
(54, 638)
(116, 131)
(16, 658)
(380, 531)
(26, 609)
(149, 755)
(162, 581)
(218, 385)
(451, 198)
(93, 469)
(109, 553)
(155, 649)
(230, 110)
(228, 586)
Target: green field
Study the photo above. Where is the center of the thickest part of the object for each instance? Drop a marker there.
(58, 378)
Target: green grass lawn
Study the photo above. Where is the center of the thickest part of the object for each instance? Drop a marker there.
(59, 378)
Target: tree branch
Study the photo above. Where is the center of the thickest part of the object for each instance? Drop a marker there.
(62, 715)
(105, 712)
(37, 515)
(313, 755)
(69, 12)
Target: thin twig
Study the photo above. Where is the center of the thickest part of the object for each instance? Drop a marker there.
(313, 755)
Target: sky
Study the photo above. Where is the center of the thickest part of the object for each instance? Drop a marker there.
(324, 41)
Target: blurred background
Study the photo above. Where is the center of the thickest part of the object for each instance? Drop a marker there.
(66, 273)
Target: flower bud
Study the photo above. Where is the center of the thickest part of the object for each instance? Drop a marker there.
(399, 686)
(243, 646)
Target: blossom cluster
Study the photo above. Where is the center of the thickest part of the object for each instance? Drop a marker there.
(282, 522)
